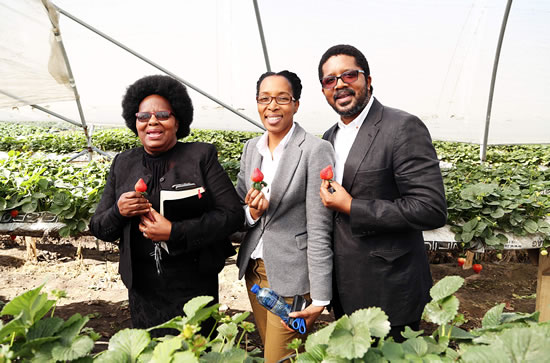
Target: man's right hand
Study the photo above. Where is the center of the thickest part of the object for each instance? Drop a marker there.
(257, 203)
(131, 204)
(339, 200)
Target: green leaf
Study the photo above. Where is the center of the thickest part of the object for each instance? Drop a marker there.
(349, 340)
(470, 225)
(416, 346)
(228, 331)
(3, 203)
(113, 356)
(194, 305)
(44, 328)
(320, 337)
(80, 347)
(189, 357)
(467, 236)
(441, 311)
(493, 317)
(393, 351)
(376, 320)
(531, 226)
(484, 354)
(446, 287)
(498, 213)
(544, 227)
(30, 206)
(32, 304)
(130, 341)
(163, 351)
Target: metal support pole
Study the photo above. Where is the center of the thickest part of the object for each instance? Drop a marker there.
(483, 150)
(261, 30)
(105, 36)
(42, 109)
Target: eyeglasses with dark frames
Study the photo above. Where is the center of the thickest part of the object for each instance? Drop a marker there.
(283, 99)
(330, 82)
(159, 115)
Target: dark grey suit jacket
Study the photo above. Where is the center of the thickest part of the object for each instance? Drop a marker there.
(392, 173)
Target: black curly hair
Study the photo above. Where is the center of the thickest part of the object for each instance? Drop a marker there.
(292, 78)
(174, 91)
(346, 50)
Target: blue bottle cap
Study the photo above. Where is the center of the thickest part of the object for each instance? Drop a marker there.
(255, 288)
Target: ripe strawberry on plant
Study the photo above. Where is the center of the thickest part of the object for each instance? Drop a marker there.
(14, 213)
(477, 267)
(258, 179)
(461, 261)
(13, 237)
(327, 174)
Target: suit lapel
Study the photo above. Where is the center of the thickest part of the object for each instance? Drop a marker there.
(362, 144)
(285, 171)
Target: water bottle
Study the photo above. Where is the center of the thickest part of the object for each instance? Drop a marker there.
(272, 301)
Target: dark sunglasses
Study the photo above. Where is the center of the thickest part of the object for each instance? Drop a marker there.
(330, 82)
(159, 115)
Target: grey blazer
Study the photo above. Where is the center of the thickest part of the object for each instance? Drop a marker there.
(296, 228)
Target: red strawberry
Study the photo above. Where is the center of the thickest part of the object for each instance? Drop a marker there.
(327, 174)
(461, 261)
(257, 179)
(13, 237)
(140, 186)
(14, 213)
(477, 267)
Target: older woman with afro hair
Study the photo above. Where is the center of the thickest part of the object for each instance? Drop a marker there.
(166, 258)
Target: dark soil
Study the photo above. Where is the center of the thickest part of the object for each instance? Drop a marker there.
(94, 287)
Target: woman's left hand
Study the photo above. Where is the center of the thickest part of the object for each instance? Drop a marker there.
(309, 314)
(156, 229)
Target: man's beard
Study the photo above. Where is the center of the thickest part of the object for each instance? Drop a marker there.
(362, 101)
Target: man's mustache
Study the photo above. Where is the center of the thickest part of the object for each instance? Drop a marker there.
(343, 93)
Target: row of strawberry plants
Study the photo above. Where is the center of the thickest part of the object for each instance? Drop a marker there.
(32, 335)
(484, 200)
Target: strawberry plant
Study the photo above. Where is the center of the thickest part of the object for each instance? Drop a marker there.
(503, 337)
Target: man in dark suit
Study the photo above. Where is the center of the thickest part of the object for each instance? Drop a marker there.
(388, 189)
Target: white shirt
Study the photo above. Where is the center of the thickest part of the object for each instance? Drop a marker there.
(345, 136)
(269, 166)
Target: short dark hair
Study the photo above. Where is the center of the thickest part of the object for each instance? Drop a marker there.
(346, 50)
(174, 91)
(292, 78)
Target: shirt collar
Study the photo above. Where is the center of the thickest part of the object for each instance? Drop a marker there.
(263, 148)
(357, 121)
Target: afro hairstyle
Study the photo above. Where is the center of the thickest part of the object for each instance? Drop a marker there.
(174, 91)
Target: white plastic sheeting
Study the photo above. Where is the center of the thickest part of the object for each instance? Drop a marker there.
(432, 58)
(32, 68)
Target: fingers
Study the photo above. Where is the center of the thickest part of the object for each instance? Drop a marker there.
(132, 204)
(287, 327)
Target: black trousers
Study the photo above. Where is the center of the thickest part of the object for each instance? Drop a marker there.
(153, 306)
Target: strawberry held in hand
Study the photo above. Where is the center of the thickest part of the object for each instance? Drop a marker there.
(258, 179)
(141, 187)
(327, 174)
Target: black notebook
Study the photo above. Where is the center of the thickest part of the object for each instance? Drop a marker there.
(177, 205)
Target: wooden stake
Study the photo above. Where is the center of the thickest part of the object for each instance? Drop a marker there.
(543, 288)
(30, 242)
(469, 260)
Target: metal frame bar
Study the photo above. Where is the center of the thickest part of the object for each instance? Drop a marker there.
(483, 149)
(261, 31)
(115, 42)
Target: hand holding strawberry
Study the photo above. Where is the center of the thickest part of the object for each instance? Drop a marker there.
(327, 174)
(258, 179)
(141, 187)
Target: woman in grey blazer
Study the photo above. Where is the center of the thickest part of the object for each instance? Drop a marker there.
(287, 246)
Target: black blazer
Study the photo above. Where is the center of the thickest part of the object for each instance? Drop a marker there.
(392, 173)
(201, 243)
